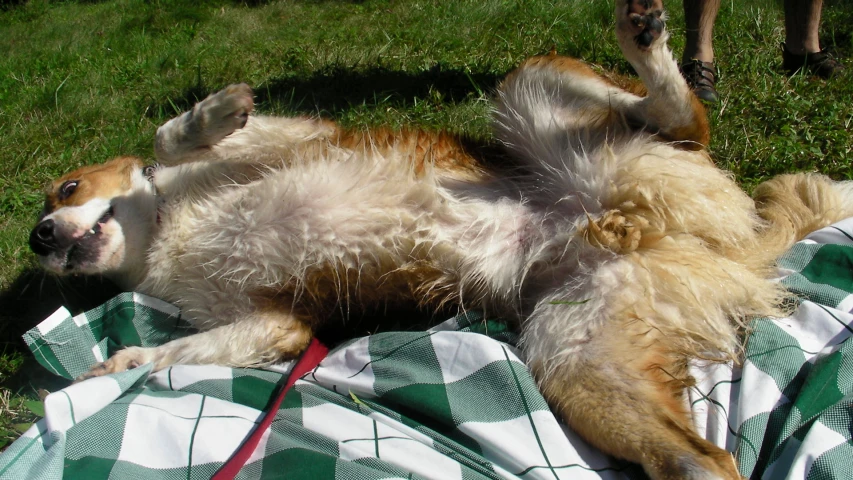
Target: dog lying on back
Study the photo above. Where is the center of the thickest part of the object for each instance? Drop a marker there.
(602, 227)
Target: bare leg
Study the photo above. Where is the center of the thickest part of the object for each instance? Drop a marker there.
(697, 62)
(699, 18)
(802, 24)
(802, 43)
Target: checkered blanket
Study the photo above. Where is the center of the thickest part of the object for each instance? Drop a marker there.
(454, 402)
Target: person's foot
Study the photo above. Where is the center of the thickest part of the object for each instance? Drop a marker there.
(818, 63)
(701, 76)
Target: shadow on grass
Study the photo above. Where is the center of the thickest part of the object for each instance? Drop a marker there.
(34, 295)
(837, 28)
(336, 89)
(31, 298)
(9, 4)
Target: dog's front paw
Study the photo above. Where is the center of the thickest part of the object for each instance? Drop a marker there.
(126, 359)
(641, 20)
(614, 232)
(210, 120)
(223, 112)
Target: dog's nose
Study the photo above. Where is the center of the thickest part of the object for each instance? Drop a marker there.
(43, 238)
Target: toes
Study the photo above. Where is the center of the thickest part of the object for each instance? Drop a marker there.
(642, 7)
(645, 21)
(225, 111)
(123, 360)
(209, 121)
(237, 103)
(651, 27)
(97, 370)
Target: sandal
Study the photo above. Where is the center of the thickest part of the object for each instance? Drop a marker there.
(701, 76)
(819, 63)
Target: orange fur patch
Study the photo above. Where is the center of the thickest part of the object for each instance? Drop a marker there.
(695, 136)
(441, 150)
(107, 180)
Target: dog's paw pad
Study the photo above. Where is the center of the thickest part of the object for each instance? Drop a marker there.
(644, 21)
(225, 111)
(613, 231)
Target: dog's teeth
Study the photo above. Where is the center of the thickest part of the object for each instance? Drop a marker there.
(92, 231)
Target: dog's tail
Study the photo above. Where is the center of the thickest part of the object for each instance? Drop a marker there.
(796, 204)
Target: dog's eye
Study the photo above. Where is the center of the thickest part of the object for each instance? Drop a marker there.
(67, 189)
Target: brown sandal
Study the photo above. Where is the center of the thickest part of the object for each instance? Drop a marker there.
(701, 76)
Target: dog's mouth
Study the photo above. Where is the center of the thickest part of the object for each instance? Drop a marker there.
(101, 221)
(82, 249)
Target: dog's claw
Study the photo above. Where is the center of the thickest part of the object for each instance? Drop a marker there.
(638, 20)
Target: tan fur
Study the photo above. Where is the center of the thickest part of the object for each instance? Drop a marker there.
(802, 203)
(599, 224)
(108, 180)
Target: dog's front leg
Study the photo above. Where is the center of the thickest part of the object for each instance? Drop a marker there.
(670, 108)
(260, 339)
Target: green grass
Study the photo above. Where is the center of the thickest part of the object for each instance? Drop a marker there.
(84, 81)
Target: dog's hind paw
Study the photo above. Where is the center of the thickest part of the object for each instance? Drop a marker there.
(642, 20)
(614, 232)
(126, 359)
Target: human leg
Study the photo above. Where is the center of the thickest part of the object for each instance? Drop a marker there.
(802, 45)
(698, 58)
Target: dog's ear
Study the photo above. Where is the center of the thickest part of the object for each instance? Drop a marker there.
(126, 167)
(49, 204)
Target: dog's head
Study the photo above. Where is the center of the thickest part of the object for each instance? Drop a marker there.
(98, 220)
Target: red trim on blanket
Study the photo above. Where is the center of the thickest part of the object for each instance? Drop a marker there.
(312, 357)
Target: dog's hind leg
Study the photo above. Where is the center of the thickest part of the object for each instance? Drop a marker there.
(209, 121)
(261, 338)
(670, 109)
(555, 100)
(623, 393)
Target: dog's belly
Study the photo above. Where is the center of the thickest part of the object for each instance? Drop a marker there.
(326, 234)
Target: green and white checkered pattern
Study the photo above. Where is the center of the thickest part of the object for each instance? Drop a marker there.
(454, 402)
(787, 412)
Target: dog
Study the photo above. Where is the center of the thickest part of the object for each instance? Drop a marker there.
(599, 223)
